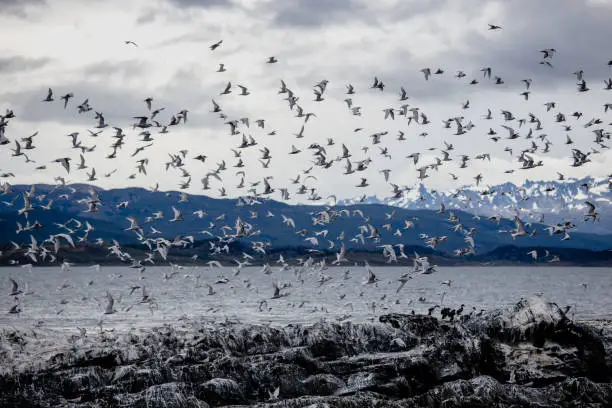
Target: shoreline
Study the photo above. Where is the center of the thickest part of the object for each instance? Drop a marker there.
(529, 352)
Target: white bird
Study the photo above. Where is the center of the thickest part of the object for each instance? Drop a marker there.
(178, 215)
(371, 276)
(110, 302)
(15, 288)
(403, 279)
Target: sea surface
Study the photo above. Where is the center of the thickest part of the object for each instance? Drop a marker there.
(77, 298)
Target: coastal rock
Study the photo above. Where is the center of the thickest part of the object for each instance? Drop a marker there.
(171, 395)
(221, 391)
(322, 384)
(531, 354)
(539, 344)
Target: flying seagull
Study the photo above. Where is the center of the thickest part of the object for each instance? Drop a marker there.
(216, 45)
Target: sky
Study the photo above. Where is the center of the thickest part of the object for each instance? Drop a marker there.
(79, 47)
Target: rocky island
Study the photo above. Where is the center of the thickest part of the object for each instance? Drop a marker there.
(529, 355)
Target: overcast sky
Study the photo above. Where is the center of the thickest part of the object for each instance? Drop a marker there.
(79, 47)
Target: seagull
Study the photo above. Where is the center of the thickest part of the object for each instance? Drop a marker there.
(426, 72)
(216, 45)
(178, 215)
(371, 276)
(15, 288)
(591, 212)
(403, 279)
(65, 162)
(227, 89)
(109, 304)
(520, 228)
(66, 97)
(49, 97)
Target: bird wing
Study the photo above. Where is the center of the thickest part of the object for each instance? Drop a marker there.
(15, 285)
(519, 224)
(590, 205)
(67, 237)
(110, 302)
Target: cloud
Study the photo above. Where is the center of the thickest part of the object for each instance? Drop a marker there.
(201, 3)
(106, 69)
(344, 42)
(113, 89)
(19, 8)
(529, 27)
(182, 10)
(314, 13)
(9, 65)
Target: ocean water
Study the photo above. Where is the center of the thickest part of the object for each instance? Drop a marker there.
(77, 298)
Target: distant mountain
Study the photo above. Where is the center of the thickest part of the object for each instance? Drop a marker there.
(552, 200)
(266, 217)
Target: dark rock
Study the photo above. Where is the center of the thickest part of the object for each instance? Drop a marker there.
(322, 384)
(81, 381)
(171, 395)
(221, 391)
(539, 344)
(419, 325)
(529, 355)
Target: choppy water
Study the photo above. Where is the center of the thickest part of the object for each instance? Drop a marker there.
(82, 304)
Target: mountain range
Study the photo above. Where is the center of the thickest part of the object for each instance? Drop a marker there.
(546, 202)
(556, 200)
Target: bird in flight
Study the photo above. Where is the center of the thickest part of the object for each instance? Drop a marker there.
(216, 45)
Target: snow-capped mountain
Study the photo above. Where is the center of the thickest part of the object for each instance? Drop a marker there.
(548, 202)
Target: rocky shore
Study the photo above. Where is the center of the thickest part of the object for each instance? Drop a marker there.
(531, 355)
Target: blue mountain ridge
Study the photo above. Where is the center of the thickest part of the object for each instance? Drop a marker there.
(555, 200)
(111, 223)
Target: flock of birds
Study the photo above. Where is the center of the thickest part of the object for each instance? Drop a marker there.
(326, 156)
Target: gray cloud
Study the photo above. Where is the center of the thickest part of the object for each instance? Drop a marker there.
(311, 14)
(17, 63)
(106, 69)
(19, 8)
(94, 81)
(406, 10)
(512, 53)
(196, 37)
(532, 26)
(19, 3)
(101, 85)
(147, 17)
(342, 41)
(201, 3)
(180, 9)
(28, 105)
(314, 13)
